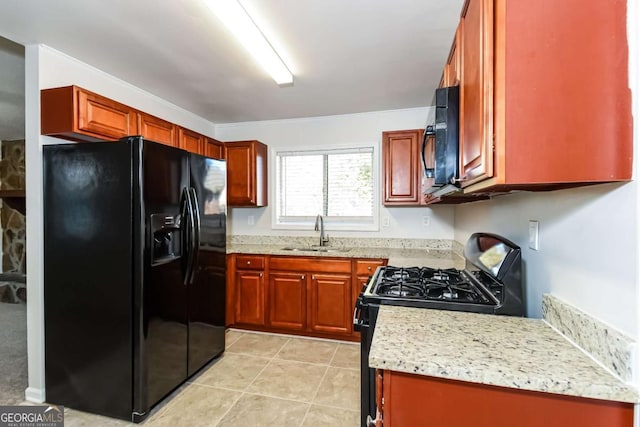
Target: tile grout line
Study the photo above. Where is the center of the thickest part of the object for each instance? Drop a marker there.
(230, 408)
(244, 392)
(271, 359)
(315, 394)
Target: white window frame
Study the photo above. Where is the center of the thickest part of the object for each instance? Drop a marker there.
(330, 223)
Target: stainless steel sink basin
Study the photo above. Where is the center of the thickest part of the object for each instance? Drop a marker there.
(315, 249)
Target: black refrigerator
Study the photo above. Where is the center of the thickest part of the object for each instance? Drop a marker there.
(134, 272)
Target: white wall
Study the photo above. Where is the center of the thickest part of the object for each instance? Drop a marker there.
(46, 68)
(337, 131)
(588, 246)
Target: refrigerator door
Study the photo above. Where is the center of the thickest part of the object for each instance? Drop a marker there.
(207, 285)
(87, 277)
(161, 243)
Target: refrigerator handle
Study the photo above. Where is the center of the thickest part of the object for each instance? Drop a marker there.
(195, 241)
(189, 227)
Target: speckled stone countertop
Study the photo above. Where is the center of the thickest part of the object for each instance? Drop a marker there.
(503, 351)
(398, 252)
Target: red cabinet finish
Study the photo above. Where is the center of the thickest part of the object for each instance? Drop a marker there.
(561, 109)
(402, 170)
(414, 400)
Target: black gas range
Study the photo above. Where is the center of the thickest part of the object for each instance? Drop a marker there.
(491, 283)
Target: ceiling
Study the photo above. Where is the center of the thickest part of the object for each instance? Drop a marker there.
(347, 56)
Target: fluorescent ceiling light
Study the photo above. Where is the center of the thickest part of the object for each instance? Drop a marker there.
(233, 15)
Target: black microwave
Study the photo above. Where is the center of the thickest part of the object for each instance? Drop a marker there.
(440, 154)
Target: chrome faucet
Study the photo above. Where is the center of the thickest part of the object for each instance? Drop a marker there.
(324, 239)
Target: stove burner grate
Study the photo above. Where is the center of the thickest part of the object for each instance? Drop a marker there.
(428, 284)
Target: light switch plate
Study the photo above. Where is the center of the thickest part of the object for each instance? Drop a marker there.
(534, 238)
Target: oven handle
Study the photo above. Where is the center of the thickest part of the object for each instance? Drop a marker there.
(357, 315)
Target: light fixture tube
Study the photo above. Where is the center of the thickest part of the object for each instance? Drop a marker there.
(236, 18)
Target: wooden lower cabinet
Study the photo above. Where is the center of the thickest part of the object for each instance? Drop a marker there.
(249, 294)
(313, 296)
(415, 400)
(363, 269)
(330, 303)
(288, 301)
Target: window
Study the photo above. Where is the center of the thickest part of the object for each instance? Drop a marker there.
(337, 184)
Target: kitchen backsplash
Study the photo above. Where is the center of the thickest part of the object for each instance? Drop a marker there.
(613, 349)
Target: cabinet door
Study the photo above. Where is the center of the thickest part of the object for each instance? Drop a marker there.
(214, 149)
(452, 69)
(246, 173)
(103, 117)
(287, 300)
(330, 303)
(157, 130)
(191, 141)
(402, 169)
(476, 91)
(414, 400)
(249, 297)
(363, 270)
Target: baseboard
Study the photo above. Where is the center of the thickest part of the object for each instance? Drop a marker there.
(36, 395)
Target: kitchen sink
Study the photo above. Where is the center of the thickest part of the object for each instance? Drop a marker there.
(315, 249)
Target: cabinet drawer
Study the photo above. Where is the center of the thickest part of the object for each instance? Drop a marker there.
(249, 262)
(367, 268)
(318, 265)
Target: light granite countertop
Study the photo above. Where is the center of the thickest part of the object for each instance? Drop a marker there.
(503, 351)
(397, 257)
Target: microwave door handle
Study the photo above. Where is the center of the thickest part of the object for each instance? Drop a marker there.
(428, 172)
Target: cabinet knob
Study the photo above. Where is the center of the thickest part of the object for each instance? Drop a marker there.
(248, 262)
(369, 268)
(260, 275)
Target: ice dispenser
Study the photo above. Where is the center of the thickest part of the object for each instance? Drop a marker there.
(165, 232)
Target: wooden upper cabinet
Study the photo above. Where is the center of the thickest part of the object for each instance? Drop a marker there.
(545, 101)
(246, 173)
(476, 91)
(77, 114)
(157, 130)
(402, 170)
(214, 149)
(451, 74)
(190, 141)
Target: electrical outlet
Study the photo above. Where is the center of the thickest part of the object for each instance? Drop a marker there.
(426, 220)
(534, 239)
(385, 221)
(251, 220)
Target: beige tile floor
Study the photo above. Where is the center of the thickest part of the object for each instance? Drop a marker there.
(262, 380)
